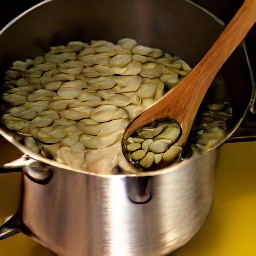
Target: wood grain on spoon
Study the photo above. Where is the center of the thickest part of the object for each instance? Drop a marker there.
(183, 101)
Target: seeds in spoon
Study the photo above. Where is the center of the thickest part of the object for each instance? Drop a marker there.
(156, 140)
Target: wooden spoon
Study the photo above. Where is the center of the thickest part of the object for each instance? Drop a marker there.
(182, 102)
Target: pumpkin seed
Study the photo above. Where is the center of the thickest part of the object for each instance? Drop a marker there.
(37, 106)
(105, 113)
(32, 144)
(97, 142)
(170, 133)
(14, 123)
(132, 69)
(53, 86)
(49, 134)
(46, 66)
(138, 155)
(146, 143)
(41, 121)
(15, 99)
(101, 129)
(148, 160)
(158, 147)
(61, 57)
(133, 146)
(23, 113)
(76, 114)
(172, 154)
(127, 43)
(137, 140)
(120, 60)
(158, 158)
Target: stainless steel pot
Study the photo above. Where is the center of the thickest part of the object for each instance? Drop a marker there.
(80, 213)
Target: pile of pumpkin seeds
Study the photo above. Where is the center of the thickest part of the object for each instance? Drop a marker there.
(73, 103)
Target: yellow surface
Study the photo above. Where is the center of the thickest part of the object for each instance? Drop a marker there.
(230, 229)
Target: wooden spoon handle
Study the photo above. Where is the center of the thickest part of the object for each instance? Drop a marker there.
(231, 37)
(183, 101)
(205, 71)
(208, 67)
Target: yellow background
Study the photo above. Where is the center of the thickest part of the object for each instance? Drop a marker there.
(230, 229)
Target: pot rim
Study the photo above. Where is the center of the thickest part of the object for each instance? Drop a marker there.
(12, 138)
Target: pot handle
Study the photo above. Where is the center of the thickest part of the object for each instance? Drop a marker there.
(36, 171)
(11, 225)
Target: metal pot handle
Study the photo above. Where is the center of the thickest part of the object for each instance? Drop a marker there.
(36, 171)
(11, 225)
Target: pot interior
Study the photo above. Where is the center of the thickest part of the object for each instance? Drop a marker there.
(178, 27)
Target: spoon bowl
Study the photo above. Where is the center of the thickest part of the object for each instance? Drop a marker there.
(182, 102)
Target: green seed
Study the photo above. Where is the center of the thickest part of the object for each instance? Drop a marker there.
(172, 154)
(133, 146)
(159, 129)
(148, 160)
(147, 134)
(137, 140)
(158, 158)
(145, 144)
(158, 147)
(137, 155)
(170, 133)
(130, 140)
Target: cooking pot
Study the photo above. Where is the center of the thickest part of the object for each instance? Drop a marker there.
(153, 213)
